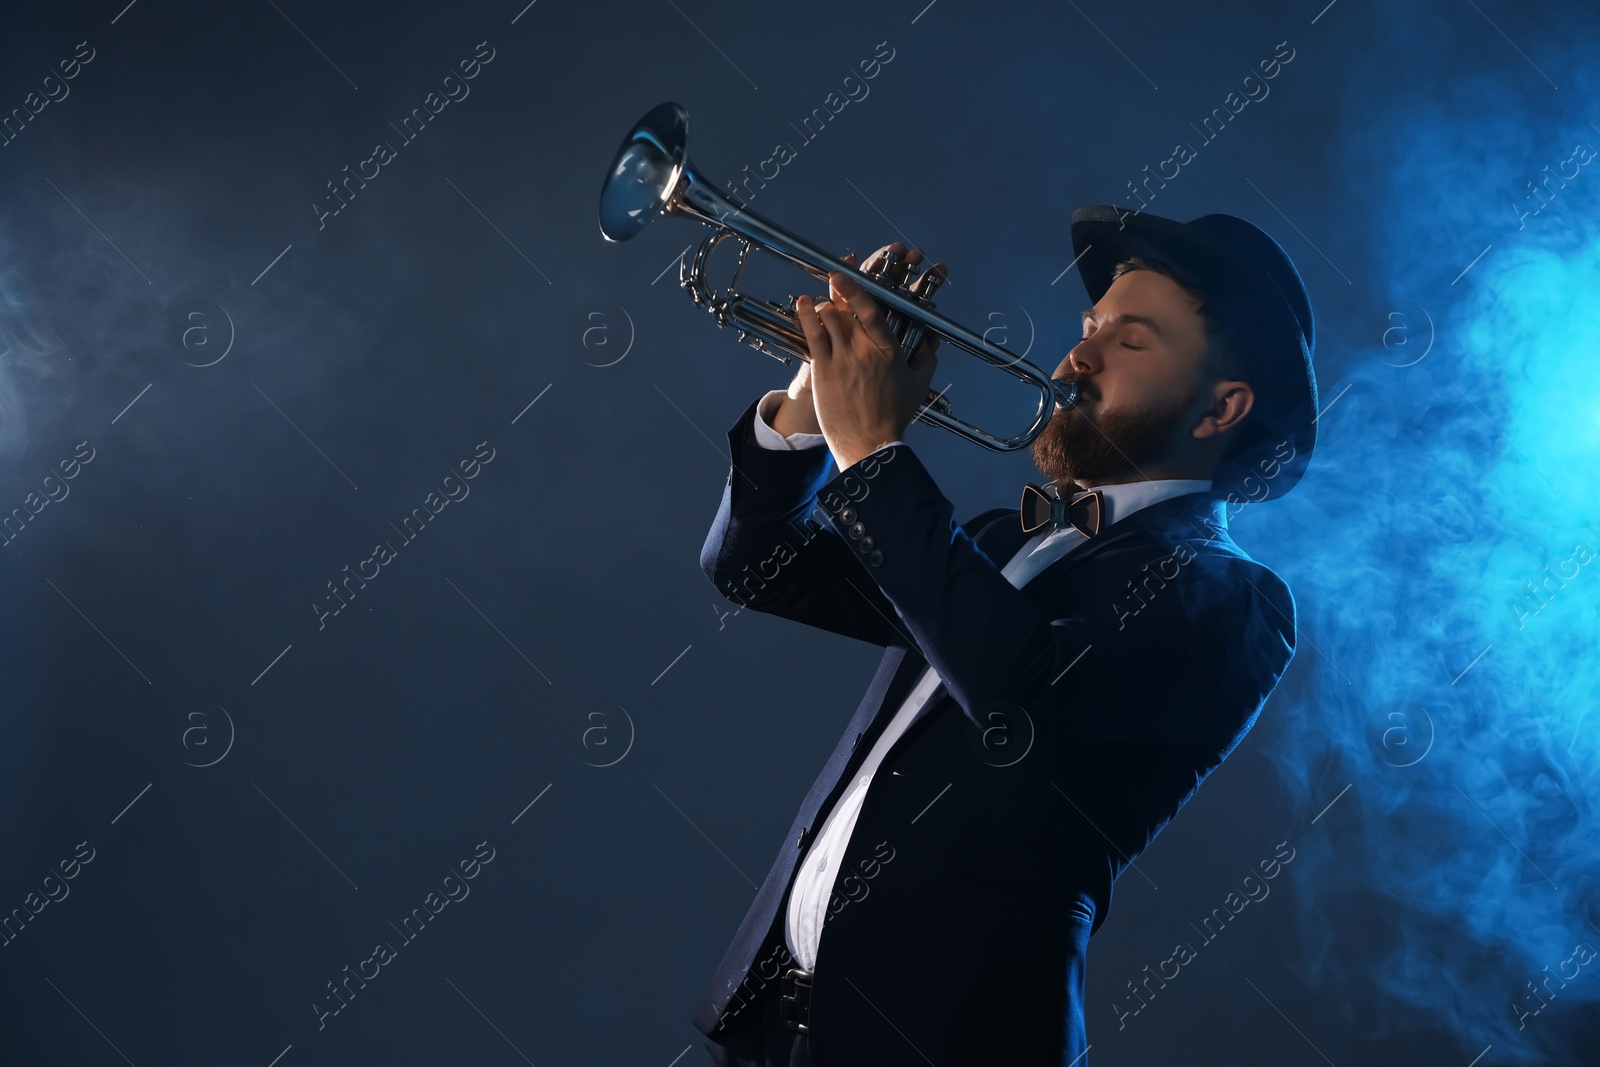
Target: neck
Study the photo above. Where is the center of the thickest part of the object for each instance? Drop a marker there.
(1148, 474)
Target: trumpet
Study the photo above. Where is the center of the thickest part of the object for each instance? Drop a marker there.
(651, 175)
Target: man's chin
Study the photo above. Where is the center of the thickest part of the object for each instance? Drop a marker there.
(1079, 465)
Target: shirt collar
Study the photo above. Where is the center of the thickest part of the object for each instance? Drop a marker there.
(1124, 498)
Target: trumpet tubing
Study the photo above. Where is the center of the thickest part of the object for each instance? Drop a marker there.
(651, 175)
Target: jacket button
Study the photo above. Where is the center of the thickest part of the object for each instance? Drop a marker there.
(876, 559)
(857, 529)
(866, 543)
(846, 515)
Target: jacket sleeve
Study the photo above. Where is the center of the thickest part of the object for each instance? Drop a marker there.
(1227, 625)
(765, 552)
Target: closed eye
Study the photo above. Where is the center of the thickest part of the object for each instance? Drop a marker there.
(1136, 348)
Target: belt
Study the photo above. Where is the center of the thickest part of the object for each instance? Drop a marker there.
(795, 1003)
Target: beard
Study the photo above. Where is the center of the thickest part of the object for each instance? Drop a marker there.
(1110, 446)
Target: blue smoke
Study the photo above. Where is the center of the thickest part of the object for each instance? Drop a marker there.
(27, 348)
(1444, 550)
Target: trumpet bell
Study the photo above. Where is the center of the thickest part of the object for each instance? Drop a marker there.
(645, 172)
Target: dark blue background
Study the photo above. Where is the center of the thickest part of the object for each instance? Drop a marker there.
(557, 614)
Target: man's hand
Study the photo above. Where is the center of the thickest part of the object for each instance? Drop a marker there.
(864, 394)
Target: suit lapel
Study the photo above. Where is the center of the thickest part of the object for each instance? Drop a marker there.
(906, 666)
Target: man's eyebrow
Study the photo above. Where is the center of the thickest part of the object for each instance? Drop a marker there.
(1142, 320)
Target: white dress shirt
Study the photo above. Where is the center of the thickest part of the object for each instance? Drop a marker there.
(819, 868)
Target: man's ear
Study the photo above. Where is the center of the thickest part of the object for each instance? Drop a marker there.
(1231, 401)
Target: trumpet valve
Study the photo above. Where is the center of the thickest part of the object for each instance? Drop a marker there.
(931, 280)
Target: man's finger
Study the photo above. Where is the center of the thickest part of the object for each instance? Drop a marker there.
(859, 301)
(875, 260)
(869, 317)
(817, 343)
(832, 316)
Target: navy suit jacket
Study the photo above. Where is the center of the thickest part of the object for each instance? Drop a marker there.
(1077, 715)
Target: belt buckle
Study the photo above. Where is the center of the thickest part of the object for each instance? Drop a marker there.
(795, 1004)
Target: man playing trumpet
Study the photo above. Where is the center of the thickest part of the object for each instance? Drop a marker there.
(1058, 678)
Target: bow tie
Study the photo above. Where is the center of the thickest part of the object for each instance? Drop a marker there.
(1041, 508)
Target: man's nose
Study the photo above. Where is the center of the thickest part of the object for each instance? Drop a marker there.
(1083, 358)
